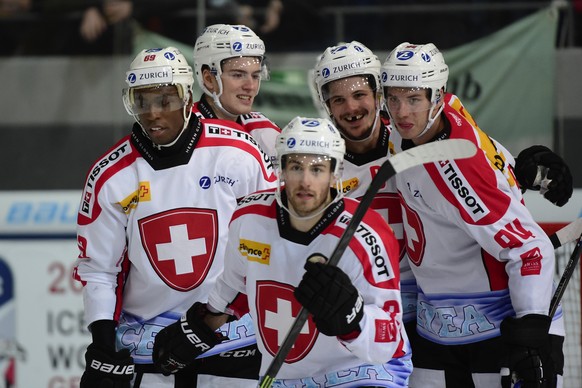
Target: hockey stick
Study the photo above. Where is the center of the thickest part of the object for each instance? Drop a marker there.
(426, 153)
(566, 275)
(567, 234)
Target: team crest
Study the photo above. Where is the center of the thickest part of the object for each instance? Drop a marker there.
(181, 244)
(415, 240)
(276, 311)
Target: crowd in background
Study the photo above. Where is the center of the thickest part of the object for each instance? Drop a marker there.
(81, 27)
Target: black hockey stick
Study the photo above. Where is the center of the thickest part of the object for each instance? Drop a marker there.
(568, 271)
(426, 153)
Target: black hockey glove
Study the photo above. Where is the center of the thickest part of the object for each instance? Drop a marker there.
(539, 158)
(177, 345)
(528, 351)
(329, 295)
(106, 368)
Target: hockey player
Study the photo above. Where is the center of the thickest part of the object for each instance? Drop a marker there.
(354, 336)
(347, 81)
(152, 228)
(229, 62)
(483, 266)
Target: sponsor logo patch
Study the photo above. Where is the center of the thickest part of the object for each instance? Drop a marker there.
(255, 251)
(531, 262)
(143, 194)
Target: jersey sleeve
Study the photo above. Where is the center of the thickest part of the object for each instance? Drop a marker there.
(492, 211)
(102, 257)
(231, 282)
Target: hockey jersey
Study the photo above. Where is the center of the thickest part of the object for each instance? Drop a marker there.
(263, 130)
(475, 251)
(264, 259)
(152, 226)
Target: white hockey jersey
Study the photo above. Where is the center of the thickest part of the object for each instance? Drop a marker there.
(263, 130)
(264, 260)
(475, 251)
(152, 226)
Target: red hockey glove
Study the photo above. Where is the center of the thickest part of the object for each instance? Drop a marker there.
(176, 346)
(329, 295)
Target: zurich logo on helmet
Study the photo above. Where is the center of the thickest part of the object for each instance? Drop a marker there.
(404, 55)
(358, 48)
(291, 142)
(325, 72)
(131, 78)
(169, 56)
(310, 123)
(425, 57)
(384, 76)
(338, 49)
(237, 46)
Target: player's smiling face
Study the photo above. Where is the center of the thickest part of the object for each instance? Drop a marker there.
(308, 179)
(161, 112)
(241, 78)
(352, 102)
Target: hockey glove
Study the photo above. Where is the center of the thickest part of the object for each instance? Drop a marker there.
(176, 346)
(329, 295)
(551, 166)
(106, 368)
(528, 350)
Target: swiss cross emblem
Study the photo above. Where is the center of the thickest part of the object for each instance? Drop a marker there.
(225, 131)
(180, 244)
(414, 235)
(276, 312)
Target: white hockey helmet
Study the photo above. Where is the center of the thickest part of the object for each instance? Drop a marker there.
(412, 65)
(223, 41)
(159, 67)
(417, 66)
(342, 61)
(311, 136)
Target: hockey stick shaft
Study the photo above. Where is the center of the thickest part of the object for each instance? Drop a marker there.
(431, 152)
(566, 275)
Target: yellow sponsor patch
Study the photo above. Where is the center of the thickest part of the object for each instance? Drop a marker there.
(255, 251)
(350, 184)
(143, 194)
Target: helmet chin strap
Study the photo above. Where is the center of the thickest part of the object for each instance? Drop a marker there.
(292, 212)
(431, 120)
(186, 113)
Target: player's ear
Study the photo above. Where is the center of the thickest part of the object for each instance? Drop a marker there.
(209, 79)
